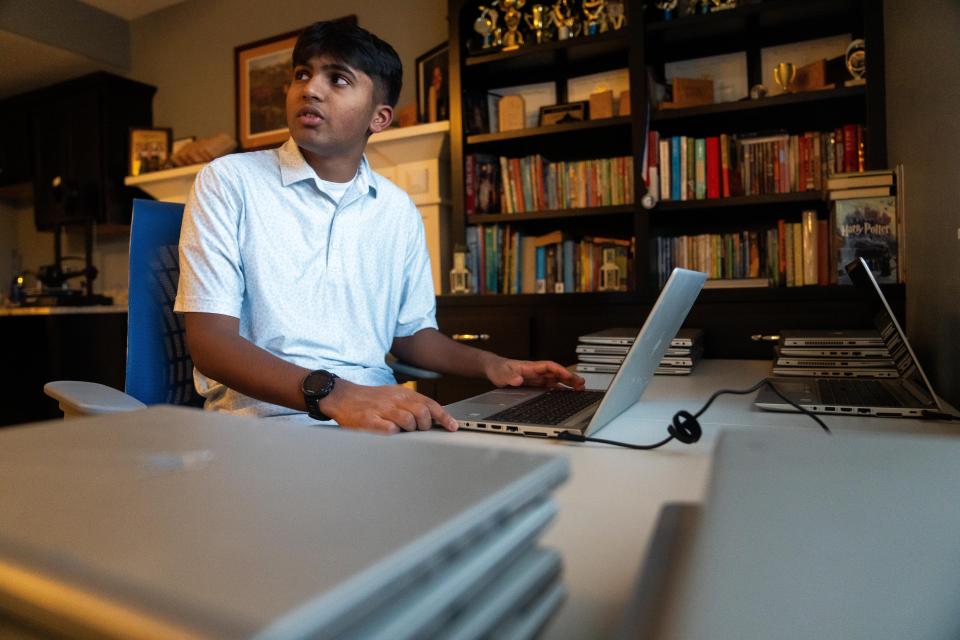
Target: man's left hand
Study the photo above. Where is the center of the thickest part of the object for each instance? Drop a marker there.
(504, 372)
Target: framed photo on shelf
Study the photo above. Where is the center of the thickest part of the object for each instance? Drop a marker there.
(150, 149)
(433, 82)
(563, 113)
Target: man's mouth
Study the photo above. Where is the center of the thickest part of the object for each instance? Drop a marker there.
(309, 116)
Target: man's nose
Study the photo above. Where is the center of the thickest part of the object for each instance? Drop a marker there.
(314, 89)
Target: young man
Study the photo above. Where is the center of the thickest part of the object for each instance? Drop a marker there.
(301, 267)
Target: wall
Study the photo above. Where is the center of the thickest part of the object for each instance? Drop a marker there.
(923, 133)
(186, 50)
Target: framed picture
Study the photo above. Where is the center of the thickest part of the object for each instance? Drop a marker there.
(433, 84)
(563, 113)
(150, 149)
(263, 71)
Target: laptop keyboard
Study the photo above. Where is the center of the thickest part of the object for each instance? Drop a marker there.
(552, 407)
(856, 393)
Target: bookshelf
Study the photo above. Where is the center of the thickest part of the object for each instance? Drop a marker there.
(648, 42)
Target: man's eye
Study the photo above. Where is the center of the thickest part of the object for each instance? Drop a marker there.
(340, 80)
(300, 74)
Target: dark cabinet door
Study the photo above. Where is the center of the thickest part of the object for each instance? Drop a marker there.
(16, 145)
(500, 329)
(67, 169)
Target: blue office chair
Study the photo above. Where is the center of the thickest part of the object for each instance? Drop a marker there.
(159, 368)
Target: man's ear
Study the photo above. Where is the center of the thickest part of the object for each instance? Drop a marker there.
(382, 117)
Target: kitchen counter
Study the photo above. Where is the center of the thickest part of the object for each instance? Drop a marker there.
(66, 310)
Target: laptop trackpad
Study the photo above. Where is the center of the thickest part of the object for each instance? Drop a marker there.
(501, 397)
(487, 404)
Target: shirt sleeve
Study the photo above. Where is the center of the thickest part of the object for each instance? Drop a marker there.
(417, 302)
(211, 273)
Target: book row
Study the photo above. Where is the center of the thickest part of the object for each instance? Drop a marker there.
(517, 185)
(688, 168)
(809, 252)
(502, 259)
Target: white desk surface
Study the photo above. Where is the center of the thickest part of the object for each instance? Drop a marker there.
(608, 508)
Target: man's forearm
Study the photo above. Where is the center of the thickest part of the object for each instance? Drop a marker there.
(430, 349)
(219, 352)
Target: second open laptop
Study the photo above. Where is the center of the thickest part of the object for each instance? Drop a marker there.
(910, 394)
(547, 413)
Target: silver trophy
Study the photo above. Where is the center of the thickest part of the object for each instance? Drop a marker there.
(486, 26)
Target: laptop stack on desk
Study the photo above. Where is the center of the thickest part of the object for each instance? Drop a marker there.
(833, 354)
(170, 522)
(604, 351)
(907, 395)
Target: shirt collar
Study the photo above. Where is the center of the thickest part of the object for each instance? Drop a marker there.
(294, 168)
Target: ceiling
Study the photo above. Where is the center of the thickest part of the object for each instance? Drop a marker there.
(29, 64)
(130, 9)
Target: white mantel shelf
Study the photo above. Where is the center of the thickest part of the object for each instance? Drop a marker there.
(415, 158)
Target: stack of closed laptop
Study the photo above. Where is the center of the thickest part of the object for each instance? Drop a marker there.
(603, 351)
(171, 522)
(833, 354)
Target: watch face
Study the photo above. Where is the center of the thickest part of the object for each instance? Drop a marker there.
(317, 383)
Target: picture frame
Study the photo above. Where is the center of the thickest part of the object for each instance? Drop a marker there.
(263, 71)
(149, 149)
(564, 113)
(433, 84)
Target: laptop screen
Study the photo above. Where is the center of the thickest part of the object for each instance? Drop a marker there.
(893, 336)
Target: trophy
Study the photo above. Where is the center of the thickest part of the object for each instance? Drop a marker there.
(856, 62)
(486, 26)
(565, 21)
(538, 20)
(512, 18)
(594, 18)
(723, 5)
(784, 74)
(667, 6)
(615, 15)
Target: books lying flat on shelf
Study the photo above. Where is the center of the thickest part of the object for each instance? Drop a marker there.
(860, 192)
(881, 178)
(604, 351)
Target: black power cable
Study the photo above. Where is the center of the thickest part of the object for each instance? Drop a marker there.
(686, 429)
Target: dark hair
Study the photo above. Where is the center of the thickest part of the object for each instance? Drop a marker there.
(356, 47)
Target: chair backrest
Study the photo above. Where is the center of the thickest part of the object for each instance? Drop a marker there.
(159, 368)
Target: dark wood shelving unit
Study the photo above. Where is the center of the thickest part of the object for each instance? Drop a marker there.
(798, 197)
(546, 325)
(812, 98)
(549, 130)
(556, 214)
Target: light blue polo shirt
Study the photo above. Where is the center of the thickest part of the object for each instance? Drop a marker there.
(319, 283)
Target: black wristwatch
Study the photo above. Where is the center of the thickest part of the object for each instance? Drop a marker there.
(315, 387)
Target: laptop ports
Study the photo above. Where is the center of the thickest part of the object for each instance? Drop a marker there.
(512, 429)
(496, 426)
(480, 425)
(863, 410)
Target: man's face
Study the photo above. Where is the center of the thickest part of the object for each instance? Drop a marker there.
(331, 106)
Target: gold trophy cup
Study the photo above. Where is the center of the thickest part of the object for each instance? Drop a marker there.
(784, 74)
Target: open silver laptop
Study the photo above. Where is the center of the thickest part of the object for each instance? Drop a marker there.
(908, 395)
(547, 413)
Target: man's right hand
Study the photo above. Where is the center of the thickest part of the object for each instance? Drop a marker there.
(389, 409)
